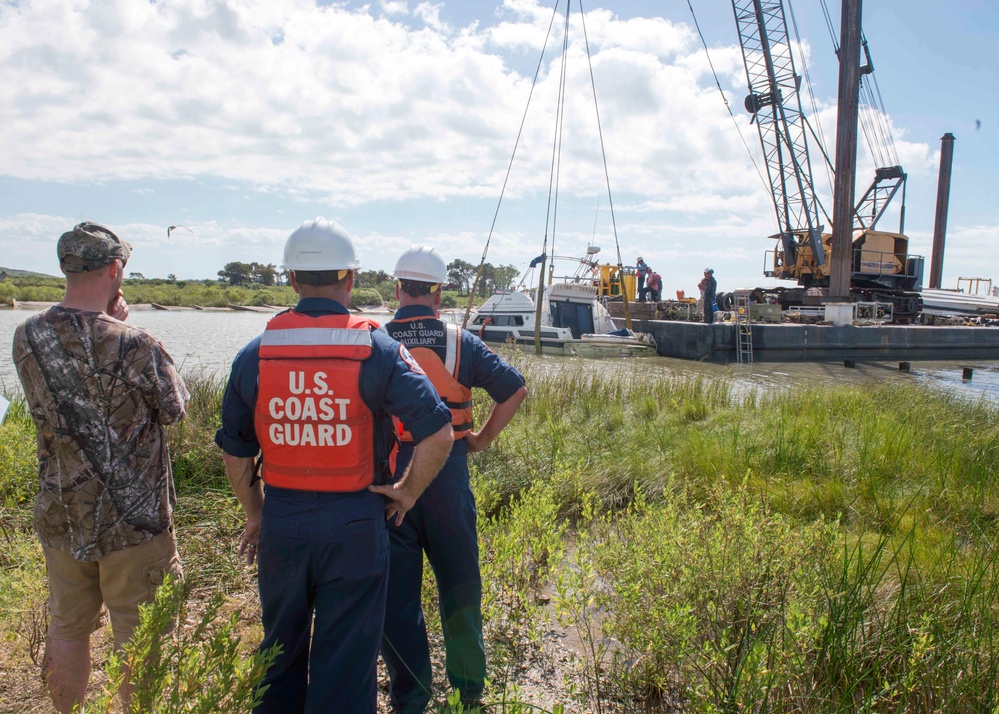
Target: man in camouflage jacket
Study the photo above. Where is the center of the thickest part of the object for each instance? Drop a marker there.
(100, 393)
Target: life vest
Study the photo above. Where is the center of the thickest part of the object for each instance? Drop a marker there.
(436, 346)
(315, 431)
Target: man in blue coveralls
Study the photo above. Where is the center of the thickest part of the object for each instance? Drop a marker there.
(315, 393)
(642, 271)
(443, 522)
(710, 294)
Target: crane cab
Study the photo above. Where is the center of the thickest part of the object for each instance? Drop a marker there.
(879, 259)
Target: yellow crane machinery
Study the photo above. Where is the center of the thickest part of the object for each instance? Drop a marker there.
(610, 278)
(605, 277)
(881, 267)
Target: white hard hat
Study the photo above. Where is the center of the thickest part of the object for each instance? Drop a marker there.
(320, 245)
(421, 264)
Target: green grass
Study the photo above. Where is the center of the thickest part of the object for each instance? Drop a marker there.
(807, 550)
(185, 293)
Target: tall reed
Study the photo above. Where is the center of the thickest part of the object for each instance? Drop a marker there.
(809, 550)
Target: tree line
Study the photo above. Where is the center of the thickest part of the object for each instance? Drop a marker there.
(460, 274)
(462, 277)
(237, 273)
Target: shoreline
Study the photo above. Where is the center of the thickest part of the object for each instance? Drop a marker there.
(34, 305)
(141, 307)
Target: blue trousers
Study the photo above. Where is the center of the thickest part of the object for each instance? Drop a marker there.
(442, 525)
(323, 562)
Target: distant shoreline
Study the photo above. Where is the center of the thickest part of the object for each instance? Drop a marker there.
(34, 305)
(138, 307)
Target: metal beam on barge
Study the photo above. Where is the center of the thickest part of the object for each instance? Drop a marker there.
(820, 343)
(846, 151)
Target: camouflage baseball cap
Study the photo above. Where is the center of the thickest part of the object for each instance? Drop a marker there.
(90, 246)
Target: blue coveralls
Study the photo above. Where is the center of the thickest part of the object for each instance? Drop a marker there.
(442, 524)
(641, 271)
(710, 288)
(323, 556)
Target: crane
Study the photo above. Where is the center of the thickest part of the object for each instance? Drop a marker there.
(881, 268)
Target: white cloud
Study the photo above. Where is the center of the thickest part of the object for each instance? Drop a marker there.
(305, 99)
(394, 7)
(969, 251)
(429, 13)
(30, 240)
(21, 236)
(389, 103)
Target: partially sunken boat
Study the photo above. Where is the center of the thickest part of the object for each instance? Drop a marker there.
(573, 322)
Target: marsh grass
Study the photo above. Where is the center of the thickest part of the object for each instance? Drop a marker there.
(807, 550)
(202, 668)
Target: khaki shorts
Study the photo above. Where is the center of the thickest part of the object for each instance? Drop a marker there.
(121, 580)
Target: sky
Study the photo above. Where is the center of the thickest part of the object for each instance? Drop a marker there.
(240, 119)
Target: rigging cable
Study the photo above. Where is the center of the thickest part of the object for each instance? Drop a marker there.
(752, 156)
(886, 143)
(596, 214)
(830, 26)
(559, 126)
(553, 176)
(603, 154)
(828, 164)
(509, 168)
(887, 123)
(868, 125)
(878, 116)
(874, 132)
(876, 106)
(819, 133)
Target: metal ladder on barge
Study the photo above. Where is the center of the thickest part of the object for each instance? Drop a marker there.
(744, 330)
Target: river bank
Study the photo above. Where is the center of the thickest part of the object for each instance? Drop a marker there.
(36, 305)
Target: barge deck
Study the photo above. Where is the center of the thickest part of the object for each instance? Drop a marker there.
(820, 343)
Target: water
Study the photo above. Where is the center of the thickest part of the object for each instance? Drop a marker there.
(204, 343)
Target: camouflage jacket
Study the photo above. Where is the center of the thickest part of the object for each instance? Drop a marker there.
(100, 392)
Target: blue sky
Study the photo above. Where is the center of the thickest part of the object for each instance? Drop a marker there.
(240, 119)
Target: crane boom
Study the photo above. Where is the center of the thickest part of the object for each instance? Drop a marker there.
(775, 104)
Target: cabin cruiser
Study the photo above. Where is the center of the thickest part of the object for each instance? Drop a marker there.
(573, 322)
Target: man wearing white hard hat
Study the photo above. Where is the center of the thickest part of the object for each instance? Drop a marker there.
(315, 395)
(443, 523)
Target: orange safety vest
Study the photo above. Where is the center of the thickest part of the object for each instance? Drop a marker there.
(315, 431)
(443, 373)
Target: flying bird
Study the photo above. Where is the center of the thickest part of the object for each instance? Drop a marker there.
(978, 124)
(171, 229)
